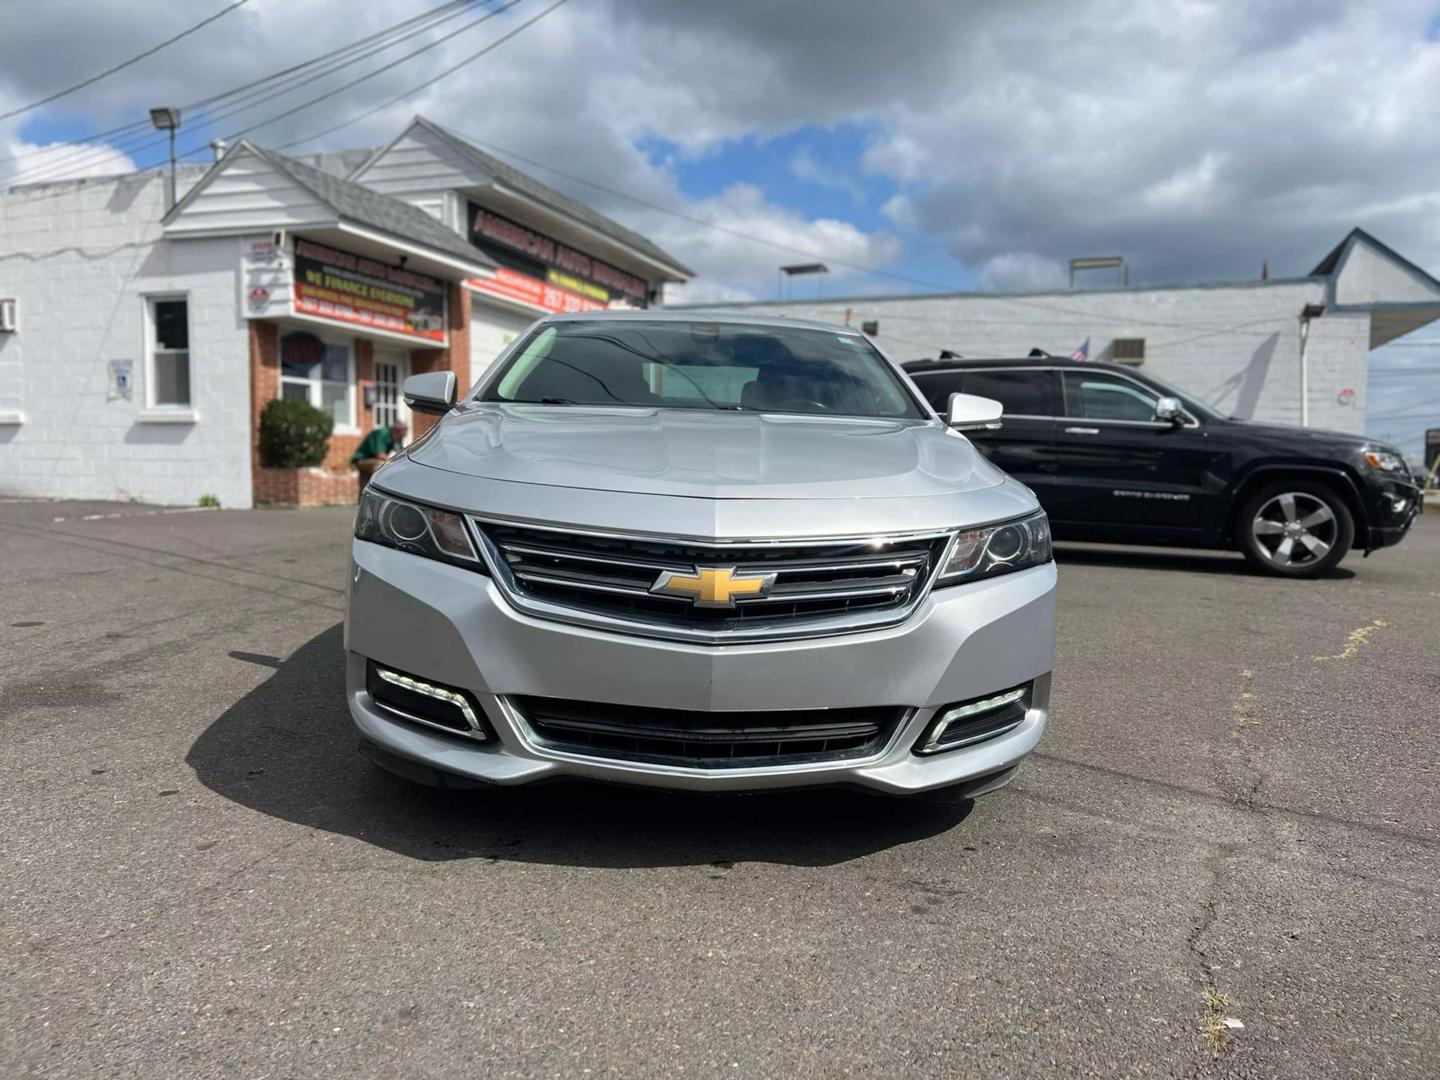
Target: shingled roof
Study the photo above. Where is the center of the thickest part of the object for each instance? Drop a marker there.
(366, 207)
(547, 196)
(351, 202)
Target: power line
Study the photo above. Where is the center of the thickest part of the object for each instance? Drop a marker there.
(870, 270)
(394, 63)
(428, 82)
(120, 67)
(414, 90)
(260, 90)
(680, 214)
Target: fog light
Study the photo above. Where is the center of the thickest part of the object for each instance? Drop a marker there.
(424, 702)
(971, 722)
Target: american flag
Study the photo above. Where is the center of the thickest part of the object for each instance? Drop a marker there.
(1083, 352)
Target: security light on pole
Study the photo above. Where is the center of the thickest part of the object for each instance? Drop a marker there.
(799, 269)
(1101, 262)
(168, 119)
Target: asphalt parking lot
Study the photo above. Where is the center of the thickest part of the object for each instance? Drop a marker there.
(1233, 815)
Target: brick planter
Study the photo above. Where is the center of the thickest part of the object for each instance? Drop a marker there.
(306, 487)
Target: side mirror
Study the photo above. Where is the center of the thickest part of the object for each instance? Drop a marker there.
(971, 413)
(1169, 408)
(432, 392)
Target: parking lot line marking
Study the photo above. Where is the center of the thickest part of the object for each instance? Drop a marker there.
(1244, 704)
(1358, 637)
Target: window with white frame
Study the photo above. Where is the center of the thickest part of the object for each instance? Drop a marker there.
(319, 372)
(168, 360)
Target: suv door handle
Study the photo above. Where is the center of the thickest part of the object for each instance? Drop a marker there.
(1082, 431)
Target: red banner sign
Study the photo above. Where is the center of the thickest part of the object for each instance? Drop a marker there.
(513, 285)
(523, 249)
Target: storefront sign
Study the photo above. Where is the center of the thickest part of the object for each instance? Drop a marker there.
(263, 275)
(544, 259)
(343, 287)
(528, 290)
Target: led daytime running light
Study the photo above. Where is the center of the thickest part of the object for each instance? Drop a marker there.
(415, 686)
(960, 713)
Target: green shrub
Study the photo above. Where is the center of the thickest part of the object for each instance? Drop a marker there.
(209, 500)
(293, 434)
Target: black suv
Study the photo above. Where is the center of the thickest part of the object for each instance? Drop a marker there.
(1117, 456)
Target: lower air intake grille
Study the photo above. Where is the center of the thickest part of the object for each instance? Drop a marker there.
(714, 740)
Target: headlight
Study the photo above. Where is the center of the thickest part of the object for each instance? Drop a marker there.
(1385, 461)
(998, 549)
(420, 530)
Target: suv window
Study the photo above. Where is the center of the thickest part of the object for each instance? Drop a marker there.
(1099, 396)
(1020, 393)
(936, 387)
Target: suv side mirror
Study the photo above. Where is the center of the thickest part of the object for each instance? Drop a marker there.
(969, 412)
(1170, 408)
(432, 392)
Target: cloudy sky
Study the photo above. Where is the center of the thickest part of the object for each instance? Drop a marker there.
(914, 145)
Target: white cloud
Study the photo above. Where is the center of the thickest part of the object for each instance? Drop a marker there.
(1022, 272)
(803, 166)
(59, 160)
(742, 270)
(1195, 138)
(899, 211)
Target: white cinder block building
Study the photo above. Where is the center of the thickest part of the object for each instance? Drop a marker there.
(1237, 346)
(139, 342)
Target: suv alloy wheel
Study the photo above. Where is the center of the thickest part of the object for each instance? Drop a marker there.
(1295, 528)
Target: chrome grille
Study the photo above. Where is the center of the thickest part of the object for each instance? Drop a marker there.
(814, 586)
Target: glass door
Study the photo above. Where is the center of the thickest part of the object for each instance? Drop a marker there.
(391, 370)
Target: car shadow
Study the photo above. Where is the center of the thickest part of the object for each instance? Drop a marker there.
(1195, 562)
(288, 749)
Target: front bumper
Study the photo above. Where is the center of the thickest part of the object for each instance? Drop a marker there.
(1394, 506)
(453, 626)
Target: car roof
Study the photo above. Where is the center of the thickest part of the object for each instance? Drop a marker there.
(916, 367)
(727, 318)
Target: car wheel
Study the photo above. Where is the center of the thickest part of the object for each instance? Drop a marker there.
(1295, 528)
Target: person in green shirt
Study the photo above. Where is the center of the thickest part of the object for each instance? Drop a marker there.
(375, 449)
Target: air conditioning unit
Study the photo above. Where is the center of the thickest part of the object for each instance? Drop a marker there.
(1129, 350)
(9, 317)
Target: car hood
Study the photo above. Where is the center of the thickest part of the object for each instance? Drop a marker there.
(1306, 437)
(704, 453)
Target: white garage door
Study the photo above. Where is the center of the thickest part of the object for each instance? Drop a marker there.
(491, 329)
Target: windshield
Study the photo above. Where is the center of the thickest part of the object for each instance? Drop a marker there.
(702, 365)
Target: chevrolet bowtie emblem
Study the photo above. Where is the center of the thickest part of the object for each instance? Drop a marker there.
(712, 586)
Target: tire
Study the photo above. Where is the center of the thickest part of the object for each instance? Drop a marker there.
(1295, 529)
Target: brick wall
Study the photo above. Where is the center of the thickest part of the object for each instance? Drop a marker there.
(456, 358)
(335, 481)
(306, 487)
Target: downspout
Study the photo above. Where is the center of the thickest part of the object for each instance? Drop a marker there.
(1308, 312)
